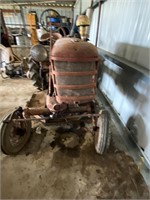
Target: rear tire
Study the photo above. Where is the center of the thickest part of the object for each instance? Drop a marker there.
(33, 73)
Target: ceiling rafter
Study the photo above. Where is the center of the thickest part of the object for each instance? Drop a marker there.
(12, 2)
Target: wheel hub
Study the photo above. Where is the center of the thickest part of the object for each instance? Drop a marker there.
(14, 135)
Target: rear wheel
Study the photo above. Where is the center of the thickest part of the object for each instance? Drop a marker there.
(33, 73)
(102, 134)
(14, 135)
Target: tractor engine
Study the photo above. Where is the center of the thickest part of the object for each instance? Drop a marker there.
(73, 73)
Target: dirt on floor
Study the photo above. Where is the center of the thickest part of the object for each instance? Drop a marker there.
(60, 162)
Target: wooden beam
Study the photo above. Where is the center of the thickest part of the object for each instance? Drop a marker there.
(10, 11)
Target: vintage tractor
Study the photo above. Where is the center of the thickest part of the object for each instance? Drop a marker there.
(71, 97)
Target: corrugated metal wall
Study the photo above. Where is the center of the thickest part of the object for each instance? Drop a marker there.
(15, 18)
(125, 31)
(81, 6)
(93, 27)
(85, 4)
(12, 18)
(62, 11)
(77, 8)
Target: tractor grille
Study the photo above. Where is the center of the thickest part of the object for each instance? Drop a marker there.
(74, 70)
(74, 82)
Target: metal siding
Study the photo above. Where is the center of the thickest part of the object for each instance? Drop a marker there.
(62, 11)
(15, 18)
(129, 94)
(125, 30)
(85, 4)
(77, 8)
(93, 26)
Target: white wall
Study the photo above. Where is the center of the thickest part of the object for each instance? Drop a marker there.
(93, 26)
(124, 30)
(81, 6)
(85, 4)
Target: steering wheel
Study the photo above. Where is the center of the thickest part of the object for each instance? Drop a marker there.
(50, 20)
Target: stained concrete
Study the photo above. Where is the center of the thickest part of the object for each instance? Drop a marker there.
(46, 169)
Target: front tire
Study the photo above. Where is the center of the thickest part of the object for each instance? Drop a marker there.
(102, 134)
(14, 135)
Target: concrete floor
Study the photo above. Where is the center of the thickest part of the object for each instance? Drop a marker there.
(46, 170)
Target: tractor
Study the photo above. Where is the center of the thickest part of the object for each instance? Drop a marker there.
(70, 97)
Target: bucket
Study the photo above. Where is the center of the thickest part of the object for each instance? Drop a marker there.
(40, 32)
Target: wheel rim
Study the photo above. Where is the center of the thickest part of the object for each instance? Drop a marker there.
(17, 133)
(102, 137)
(14, 135)
(43, 17)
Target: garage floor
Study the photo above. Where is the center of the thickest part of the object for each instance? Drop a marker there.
(47, 170)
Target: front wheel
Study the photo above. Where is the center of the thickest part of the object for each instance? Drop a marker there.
(102, 134)
(14, 135)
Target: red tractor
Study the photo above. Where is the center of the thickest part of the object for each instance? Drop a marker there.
(71, 97)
